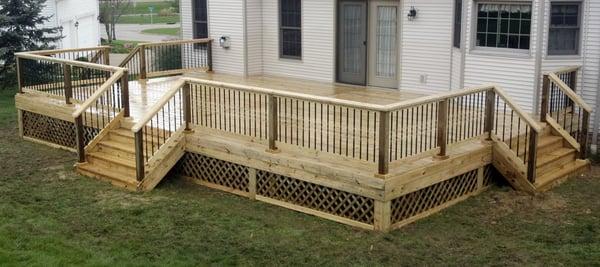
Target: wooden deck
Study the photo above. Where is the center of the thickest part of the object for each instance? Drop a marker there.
(368, 157)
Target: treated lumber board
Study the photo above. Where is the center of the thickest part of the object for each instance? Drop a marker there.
(47, 106)
(218, 187)
(46, 143)
(382, 215)
(564, 134)
(511, 167)
(104, 132)
(115, 179)
(315, 213)
(20, 122)
(166, 164)
(562, 173)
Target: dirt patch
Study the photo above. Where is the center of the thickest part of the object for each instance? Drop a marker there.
(58, 173)
(509, 202)
(124, 199)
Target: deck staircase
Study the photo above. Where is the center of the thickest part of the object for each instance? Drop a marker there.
(113, 158)
(557, 160)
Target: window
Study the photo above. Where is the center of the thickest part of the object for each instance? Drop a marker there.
(200, 11)
(290, 29)
(504, 25)
(457, 22)
(563, 36)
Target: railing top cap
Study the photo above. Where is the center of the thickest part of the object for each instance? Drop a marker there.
(69, 62)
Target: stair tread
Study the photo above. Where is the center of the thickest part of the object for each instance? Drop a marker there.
(543, 142)
(111, 174)
(561, 171)
(114, 159)
(118, 145)
(123, 132)
(549, 157)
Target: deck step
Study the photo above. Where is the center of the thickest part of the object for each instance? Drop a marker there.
(545, 144)
(549, 161)
(116, 149)
(113, 176)
(125, 162)
(559, 173)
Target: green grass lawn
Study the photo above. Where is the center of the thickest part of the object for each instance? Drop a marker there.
(145, 19)
(143, 7)
(163, 31)
(50, 216)
(119, 46)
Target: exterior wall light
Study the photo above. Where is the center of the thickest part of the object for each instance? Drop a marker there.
(412, 13)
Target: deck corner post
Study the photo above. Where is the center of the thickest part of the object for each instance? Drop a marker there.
(383, 159)
(383, 215)
(139, 155)
(272, 122)
(532, 157)
(106, 55)
(187, 106)
(585, 124)
(80, 142)
(545, 97)
(442, 134)
(143, 70)
(68, 84)
(209, 58)
(125, 94)
(490, 102)
(252, 183)
(20, 77)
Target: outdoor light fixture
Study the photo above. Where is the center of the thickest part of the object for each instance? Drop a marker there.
(412, 13)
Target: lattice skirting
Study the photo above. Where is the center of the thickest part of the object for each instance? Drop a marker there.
(53, 130)
(416, 204)
(213, 171)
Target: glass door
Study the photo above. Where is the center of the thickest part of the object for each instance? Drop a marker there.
(352, 42)
(383, 43)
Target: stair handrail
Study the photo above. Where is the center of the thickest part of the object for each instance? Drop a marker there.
(560, 101)
(178, 94)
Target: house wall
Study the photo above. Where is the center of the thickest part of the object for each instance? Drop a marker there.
(66, 13)
(254, 36)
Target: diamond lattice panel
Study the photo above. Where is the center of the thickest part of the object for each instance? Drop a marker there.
(315, 197)
(48, 129)
(430, 197)
(214, 171)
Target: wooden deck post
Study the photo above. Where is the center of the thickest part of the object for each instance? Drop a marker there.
(383, 162)
(583, 138)
(80, 142)
(20, 74)
(187, 106)
(272, 122)
(545, 97)
(67, 83)
(252, 183)
(125, 94)
(532, 157)
(490, 103)
(209, 58)
(143, 70)
(442, 134)
(383, 215)
(106, 55)
(139, 155)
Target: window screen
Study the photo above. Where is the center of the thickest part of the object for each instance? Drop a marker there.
(563, 36)
(290, 35)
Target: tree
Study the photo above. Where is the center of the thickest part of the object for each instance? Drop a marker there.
(110, 12)
(20, 30)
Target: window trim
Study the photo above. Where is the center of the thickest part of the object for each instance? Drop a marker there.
(503, 51)
(280, 29)
(580, 25)
(195, 22)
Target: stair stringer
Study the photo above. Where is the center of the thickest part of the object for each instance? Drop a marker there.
(511, 167)
(163, 161)
(112, 125)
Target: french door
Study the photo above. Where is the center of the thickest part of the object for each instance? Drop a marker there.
(368, 42)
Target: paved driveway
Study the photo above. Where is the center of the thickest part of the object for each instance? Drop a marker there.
(133, 32)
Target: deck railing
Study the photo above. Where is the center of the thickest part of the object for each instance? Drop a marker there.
(148, 60)
(96, 55)
(563, 108)
(378, 134)
(68, 78)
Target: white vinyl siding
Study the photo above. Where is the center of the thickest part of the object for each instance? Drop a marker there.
(455, 80)
(254, 37)
(426, 46)
(318, 41)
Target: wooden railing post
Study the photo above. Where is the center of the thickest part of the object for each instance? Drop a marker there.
(442, 134)
(106, 55)
(187, 106)
(585, 124)
(125, 94)
(383, 164)
(272, 122)
(67, 83)
(139, 155)
(209, 59)
(490, 102)
(20, 74)
(573, 79)
(80, 142)
(143, 73)
(532, 157)
(545, 97)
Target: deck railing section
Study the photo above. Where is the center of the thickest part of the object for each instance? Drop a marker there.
(98, 55)
(70, 79)
(149, 60)
(563, 107)
(169, 115)
(101, 109)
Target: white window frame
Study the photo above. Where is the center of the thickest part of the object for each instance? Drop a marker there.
(579, 35)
